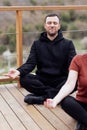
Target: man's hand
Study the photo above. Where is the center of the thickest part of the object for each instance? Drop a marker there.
(13, 73)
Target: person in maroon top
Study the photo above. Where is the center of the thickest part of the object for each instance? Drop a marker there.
(74, 106)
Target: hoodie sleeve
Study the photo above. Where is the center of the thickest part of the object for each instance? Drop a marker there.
(30, 63)
(72, 52)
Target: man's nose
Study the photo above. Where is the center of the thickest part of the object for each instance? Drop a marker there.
(52, 24)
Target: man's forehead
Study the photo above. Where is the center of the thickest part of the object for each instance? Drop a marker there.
(53, 18)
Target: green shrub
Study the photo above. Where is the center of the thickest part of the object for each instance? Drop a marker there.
(73, 34)
(83, 17)
(39, 27)
(6, 3)
(33, 2)
(64, 26)
(12, 38)
(2, 49)
(65, 16)
(73, 15)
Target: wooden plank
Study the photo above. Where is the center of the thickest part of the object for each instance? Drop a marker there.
(22, 115)
(64, 117)
(29, 8)
(3, 123)
(50, 116)
(30, 109)
(6, 79)
(11, 118)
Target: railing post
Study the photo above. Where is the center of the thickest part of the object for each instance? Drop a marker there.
(19, 48)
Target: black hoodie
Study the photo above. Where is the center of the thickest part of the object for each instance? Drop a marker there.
(52, 58)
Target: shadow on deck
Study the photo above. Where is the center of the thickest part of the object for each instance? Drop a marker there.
(17, 115)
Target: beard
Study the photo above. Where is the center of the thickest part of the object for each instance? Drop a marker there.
(52, 34)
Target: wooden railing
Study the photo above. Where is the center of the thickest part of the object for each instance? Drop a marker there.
(19, 10)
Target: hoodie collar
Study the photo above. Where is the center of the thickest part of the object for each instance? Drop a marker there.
(43, 37)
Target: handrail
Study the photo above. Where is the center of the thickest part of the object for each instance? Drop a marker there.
(19, 10)
(28, 8)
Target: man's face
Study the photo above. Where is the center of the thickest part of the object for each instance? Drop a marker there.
(52, 25)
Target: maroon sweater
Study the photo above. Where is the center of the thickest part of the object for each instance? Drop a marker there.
(79, 64)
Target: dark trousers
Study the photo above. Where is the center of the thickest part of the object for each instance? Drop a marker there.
(42, 86)
(75, 109)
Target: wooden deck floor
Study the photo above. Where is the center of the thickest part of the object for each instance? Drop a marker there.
(17, 115)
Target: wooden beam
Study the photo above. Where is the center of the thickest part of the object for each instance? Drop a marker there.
(28, 8)
(19, 47)
(6, 79)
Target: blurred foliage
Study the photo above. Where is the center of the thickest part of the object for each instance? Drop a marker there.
(74, 35)
(7, 3)
(2, 49)
(33, 2)
(64, 26)
(39, 27)
(83, 17)
(12, 38)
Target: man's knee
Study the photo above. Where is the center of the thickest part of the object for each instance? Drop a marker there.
(26, 80)
(22, 81)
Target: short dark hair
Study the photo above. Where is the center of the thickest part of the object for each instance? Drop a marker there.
(52, 15)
